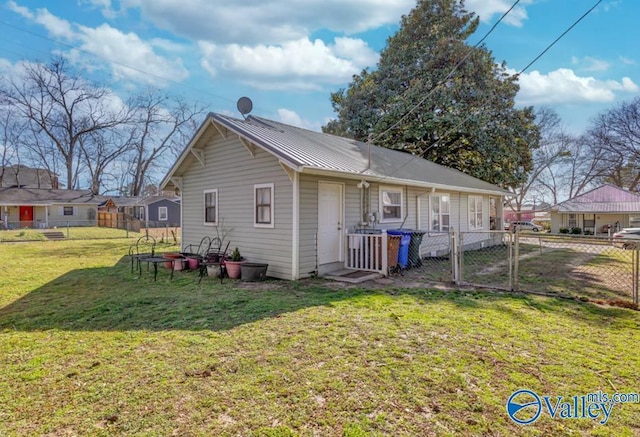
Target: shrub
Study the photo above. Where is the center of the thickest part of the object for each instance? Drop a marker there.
(588, 232)
(564, 230)
(235, 256)
(576, 231)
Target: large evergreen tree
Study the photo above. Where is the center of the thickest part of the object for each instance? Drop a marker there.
(435, 96)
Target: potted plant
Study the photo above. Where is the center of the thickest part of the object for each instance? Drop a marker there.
(233, 264)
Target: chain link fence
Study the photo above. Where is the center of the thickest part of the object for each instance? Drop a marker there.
(588, 268)
(87, 230)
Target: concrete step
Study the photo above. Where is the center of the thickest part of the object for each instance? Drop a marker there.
(54, 235)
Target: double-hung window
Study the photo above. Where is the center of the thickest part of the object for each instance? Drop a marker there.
(263, 195)
(391, 204)
(440, 212)
(163, 213)
(67, 210)
(211, 207)
(475, 212)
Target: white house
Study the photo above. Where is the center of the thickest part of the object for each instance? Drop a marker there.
(288, 196)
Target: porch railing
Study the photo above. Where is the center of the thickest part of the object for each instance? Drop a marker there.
(367, 251)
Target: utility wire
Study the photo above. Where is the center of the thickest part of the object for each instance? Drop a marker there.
(558, 38)
(464, 120)
(446, 78)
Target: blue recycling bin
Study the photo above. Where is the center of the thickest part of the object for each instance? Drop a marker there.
(403, 251)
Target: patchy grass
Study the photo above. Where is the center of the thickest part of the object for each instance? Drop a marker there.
(87, 348)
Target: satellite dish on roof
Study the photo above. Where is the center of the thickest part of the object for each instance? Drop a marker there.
(245, 105)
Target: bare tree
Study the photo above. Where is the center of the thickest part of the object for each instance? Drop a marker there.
(161, 127)
(63, 109)
(10, 132)
(617, 133)
(100, 150)
(553, 146)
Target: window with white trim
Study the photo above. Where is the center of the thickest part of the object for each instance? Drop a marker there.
(263, 201)
(573, 221)
(390, 204)
(475, 212)
(67, 210)
(163, 213)
(211, 207)
(440, 212)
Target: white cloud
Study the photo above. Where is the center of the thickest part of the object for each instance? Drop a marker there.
(627, 61)
(267, 21)
(292, 118)
(486, 9)
(564, 86)
(300, 64)
(131, 57)
(57, 27)
(104, 6)
(590, 64)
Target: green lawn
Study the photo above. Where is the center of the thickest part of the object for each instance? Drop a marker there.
(87, 348)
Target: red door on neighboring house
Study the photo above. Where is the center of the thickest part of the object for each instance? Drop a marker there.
(26, 216)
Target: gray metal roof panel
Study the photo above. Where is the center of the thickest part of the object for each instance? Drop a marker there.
(320, 151)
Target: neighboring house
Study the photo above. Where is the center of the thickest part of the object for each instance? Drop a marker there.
(157, 210)
(21, 176)
(160, 210)
(44, 208)
(594, 210)
(528, 212)
(288, 196)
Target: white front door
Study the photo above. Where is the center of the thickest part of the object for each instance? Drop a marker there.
(330, 222)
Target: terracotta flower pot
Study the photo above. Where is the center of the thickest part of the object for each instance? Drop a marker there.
(233, 268)
(171, 256)
(193, 262)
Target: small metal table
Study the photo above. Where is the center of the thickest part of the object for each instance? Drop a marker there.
(156, 260)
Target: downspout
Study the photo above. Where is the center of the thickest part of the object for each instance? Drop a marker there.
(295, 228)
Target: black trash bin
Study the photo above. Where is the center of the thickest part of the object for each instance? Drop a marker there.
(414, 249)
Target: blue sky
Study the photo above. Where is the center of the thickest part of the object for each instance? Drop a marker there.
(289, 55)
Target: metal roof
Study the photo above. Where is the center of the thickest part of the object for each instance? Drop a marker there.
(310, 151)
(604, 199)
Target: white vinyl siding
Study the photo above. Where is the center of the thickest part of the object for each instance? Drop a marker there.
(263, 201)
(440, 213)
(163, 213)
(211, 207)
(391, 202)
(475, 213)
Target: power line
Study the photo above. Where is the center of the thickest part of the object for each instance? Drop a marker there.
(558, 38)
(447, 77)
(464, 120)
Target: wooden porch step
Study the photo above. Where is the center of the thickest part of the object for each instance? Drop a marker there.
(54, 235)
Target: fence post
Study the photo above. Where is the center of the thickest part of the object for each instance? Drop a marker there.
(67, 229)
(461, 258)
(510, 245)
(636, 275)
(384, 255)
(454, 256)
(516, 260)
